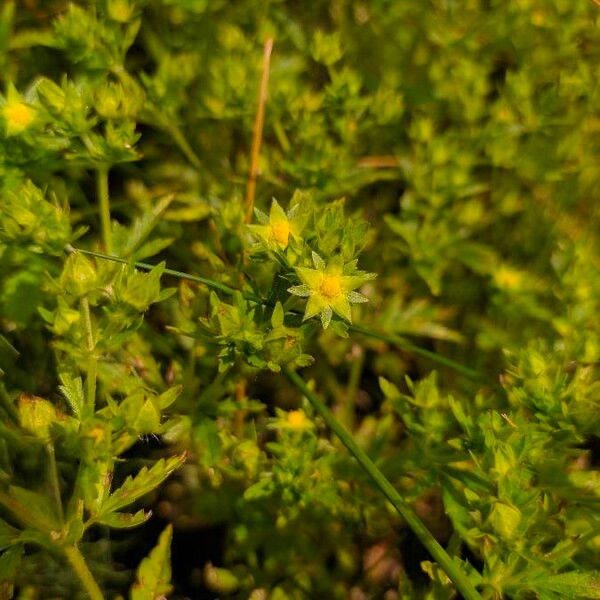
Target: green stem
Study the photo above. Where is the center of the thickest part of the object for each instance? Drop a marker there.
(54, 483)
(77, 562)
(356, 369)
(92, 368)
(215, 285)
(104, 205)
(402, 343)
(184, 145)
(460, 579)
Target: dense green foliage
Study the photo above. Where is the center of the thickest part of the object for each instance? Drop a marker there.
(447, 148)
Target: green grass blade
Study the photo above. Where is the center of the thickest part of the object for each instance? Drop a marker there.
(458, 577)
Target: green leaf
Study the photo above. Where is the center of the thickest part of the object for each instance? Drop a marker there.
(7, 535)
(119, 520)
(72, 390)
(277, 316)
(153, 580)
(571, 585)
(142, 226)
(10, 562)
(30, 508)
(136, 487)
(148, 418)
(167, 398)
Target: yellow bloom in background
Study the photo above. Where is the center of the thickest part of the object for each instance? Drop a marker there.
(329, 288)
(293, 420)
(296, 419)
(17, 114)
(276, 229)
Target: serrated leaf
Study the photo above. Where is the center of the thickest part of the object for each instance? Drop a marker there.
(153, 581)
(119, 520)
(72, 390)
(143, 226)
(571, 585)
(136, 487)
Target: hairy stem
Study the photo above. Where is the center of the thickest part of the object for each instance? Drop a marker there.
(77, 562)
(460, 579)
(104, 205)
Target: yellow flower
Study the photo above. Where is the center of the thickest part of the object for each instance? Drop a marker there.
(293, 420)
(296, 419)
(18, 115)
(329, 288)
(276, 229)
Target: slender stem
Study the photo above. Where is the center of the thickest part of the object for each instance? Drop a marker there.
(230, 291)
(54, 483)
(460, 579)
(184, 145)
(402, 343)
(357, 364)
(215, 285)
(92, 368)
(77, 562)
(258, 129)
(104, 205)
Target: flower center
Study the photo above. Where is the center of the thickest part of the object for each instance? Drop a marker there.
(18, 116)
(331, 286)
(296, 419)
(281, 232)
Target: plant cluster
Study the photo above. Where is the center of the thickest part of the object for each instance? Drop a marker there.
(381, 381)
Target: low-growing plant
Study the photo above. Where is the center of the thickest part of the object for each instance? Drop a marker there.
(337, 340)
